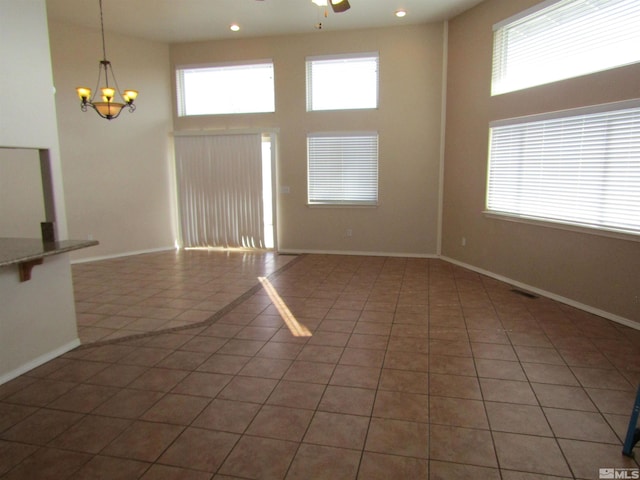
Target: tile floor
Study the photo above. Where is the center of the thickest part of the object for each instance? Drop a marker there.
(336, 368)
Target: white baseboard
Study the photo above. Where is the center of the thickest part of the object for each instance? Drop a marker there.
(36, 362)
(294, 251)
(123, 254)
(543, 293)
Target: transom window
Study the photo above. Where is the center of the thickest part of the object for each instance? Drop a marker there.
(579, 167)
(225, 89)
(342, 82)
(563, 39)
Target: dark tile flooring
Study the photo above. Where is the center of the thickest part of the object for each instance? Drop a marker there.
(329, 367)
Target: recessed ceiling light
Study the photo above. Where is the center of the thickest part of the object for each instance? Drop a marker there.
(234, 27)
(400, 13)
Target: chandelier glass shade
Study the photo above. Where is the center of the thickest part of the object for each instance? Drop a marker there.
(107, 101)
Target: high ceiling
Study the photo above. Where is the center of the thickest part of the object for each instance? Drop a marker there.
(174, 21)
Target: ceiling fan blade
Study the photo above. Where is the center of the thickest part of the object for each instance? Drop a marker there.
(339, 6)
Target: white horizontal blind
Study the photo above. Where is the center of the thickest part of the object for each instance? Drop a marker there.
(565, 39)
(343, 169)
(225, 89)
(578, 169)
(342, 82)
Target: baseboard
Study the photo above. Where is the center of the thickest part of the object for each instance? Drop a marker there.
(543, 293)
(123, 254)
(36, 362)
(294, 251)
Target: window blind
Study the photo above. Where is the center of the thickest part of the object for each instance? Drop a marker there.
(225, 89)
(342, 82)
(576, 168)
(564, 39)
(343, 169)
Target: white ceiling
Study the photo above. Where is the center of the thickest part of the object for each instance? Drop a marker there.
(174, 21)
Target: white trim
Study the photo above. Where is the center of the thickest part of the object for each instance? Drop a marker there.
(296, 251)
(569, 112)
(123, 254)
(225, 131)
(36, 362)
(524, 13)
(544, 293)
(343, 56)
(562, 225)
(239, 63)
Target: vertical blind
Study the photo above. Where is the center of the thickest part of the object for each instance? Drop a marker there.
(343, 169)
(219, 181)
(564, 39)
(580, 167)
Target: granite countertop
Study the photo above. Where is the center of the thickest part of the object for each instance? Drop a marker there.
(18, 250)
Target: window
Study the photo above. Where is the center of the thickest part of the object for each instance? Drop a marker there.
(220, 89)
(342, 82)
(564, 39)
(343, 169)
(579, 167)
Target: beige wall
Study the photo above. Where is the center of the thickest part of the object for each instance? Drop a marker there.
(408, 122)
(37, 318)
(595, 271)
(117, 174)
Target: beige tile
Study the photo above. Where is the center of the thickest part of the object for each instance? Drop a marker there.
(398, 437)
(586, 458)
(352, 400)
(257, 457)
(459, 412)
(530, 454)
(203, 384)
(563, 396)
(337, 430)
(404, 381)
(515, 418)
(454, 386)
(402, 406)
(312, 372)
(318, 461)
(499, 369)
(376, 466)
(553, 374)
(446, 470)
(284, 423)
(296, 394)
(143, 441)
(48, 463)
(176, 409)
(227, 415)
(103, 468)
(462, 445)
(576, 425)
(199, 449)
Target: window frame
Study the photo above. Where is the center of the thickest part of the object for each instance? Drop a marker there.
(556, 43)
(559, 223)
(373, 174)
(181, 101)
(339, 58)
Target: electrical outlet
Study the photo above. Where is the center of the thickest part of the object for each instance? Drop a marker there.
(349, 232)
(463, 241)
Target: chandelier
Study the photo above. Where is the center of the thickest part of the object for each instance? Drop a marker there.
(110, 102)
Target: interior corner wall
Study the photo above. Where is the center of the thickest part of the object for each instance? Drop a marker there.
(595, 271)
(408, 122)
(118, 173)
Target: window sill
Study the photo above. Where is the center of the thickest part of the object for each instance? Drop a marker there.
(571, 227)
(342, 205)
